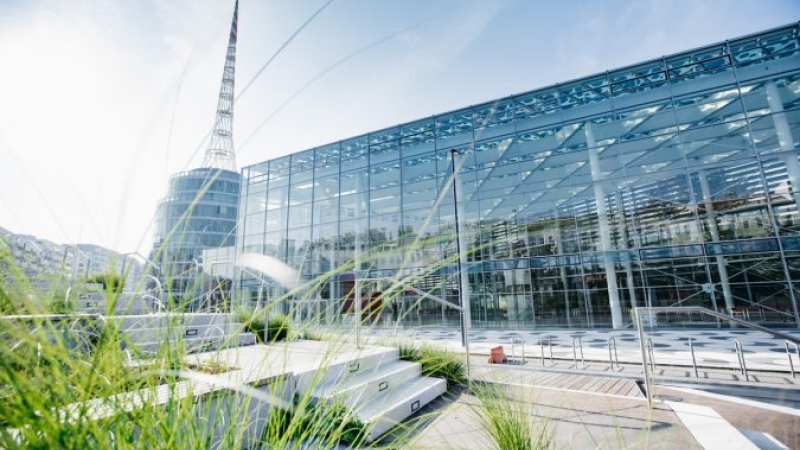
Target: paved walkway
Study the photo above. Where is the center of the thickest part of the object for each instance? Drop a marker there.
(605, 412)
(572, 420)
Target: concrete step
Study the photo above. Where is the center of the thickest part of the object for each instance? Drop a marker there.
(151, 334)
(196, 345)
(709, 428)
(368, 384)
(336, 371)
(788, 396)
(396, 405)
(166, 320)
(763, 441)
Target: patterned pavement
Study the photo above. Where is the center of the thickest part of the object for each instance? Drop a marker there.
(712, 347)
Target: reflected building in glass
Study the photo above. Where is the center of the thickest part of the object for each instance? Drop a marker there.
(674, 182)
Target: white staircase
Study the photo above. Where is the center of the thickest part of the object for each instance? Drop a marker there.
(146, 333)
(381, 389)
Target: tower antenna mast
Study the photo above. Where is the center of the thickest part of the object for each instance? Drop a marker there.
(220, 153)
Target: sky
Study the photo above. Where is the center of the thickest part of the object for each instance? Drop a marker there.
(102, 100)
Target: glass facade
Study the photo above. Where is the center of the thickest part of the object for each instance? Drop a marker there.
(199, 212)
(673, 182)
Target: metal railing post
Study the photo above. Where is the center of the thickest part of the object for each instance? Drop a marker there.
(612, 342)
(652, 355)
(575, 354)
(642, 346)
(694, 361)
(646, 345)
(789, 355)
(740, 354)
(549, 347)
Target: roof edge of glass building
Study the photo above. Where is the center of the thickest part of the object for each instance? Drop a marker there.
(795, 26)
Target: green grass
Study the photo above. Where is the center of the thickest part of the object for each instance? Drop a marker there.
(436, 362)
(278, 327)
(509, 421)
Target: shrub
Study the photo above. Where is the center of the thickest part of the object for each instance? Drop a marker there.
(277, 328)
(436, 362)
(253, 322)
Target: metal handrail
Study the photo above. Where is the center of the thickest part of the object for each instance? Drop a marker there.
(740, 355)
(789, 354)
(656, 309)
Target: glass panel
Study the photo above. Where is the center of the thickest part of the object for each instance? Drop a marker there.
(702, 63)
(454, 124)
(384, 175)
(352, 182)
(256, 198)
(638, 78)
(584, 92)
(326, 211)
(300, 215)
(354, 153)
(780, 44)
(418, 168)
(326, 160)
(301, 192)
(326, 188)
(384, 146)
(279, 171)
(419, 195)
(731, 202)
(385, 201)
(536, 104)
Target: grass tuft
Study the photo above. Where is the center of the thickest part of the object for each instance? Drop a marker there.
(508, 421)
(436, 362)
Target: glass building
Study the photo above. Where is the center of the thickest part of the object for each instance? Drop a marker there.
(674, 182)
(199, 212)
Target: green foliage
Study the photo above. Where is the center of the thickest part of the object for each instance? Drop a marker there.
(436, 362)
(7, 305)
(61, 305)
(111, 282)
(330, 423)
(253, 322)
(311, 336)
(277, 328)
(509, 421)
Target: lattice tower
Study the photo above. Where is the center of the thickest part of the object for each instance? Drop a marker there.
(220, 153)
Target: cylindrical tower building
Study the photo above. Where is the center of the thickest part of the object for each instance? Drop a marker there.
(199, 212)
(201, 206)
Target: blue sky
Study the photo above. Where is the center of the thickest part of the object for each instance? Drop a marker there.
(104, 99)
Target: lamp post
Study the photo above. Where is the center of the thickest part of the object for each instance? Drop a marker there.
(462, 260)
